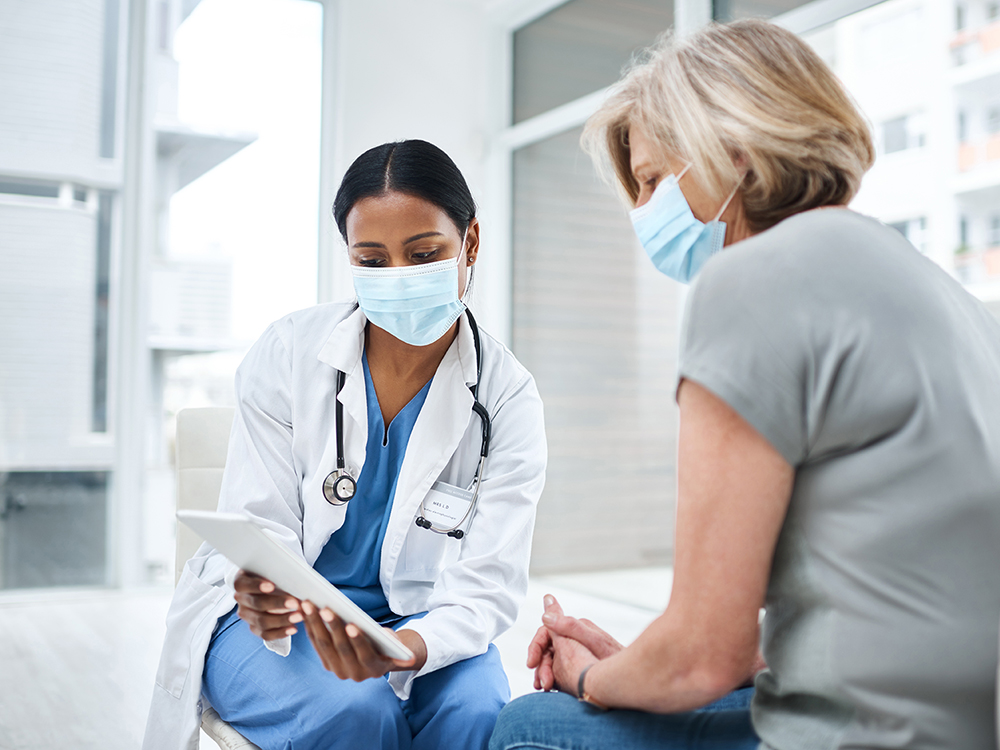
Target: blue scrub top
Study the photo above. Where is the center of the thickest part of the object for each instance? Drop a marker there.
(352, 556)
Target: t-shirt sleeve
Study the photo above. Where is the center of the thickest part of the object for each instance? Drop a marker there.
(745, 339)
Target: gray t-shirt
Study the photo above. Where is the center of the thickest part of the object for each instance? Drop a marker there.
(878, 378)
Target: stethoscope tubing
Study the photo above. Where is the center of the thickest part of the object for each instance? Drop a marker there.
(339, 486)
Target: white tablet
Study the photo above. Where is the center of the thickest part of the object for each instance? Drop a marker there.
(252, 548)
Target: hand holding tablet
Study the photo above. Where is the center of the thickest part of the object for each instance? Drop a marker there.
(252, 549)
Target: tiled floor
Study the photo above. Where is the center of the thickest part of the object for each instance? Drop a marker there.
(76, 669)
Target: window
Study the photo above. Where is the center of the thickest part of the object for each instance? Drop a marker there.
(165, 26)
(239, 245)
(109, 77)
(580, 47)
(593, 324)
(914, 230)
(52, 528)
(102, 319)
(995, 230)
(73, 393)
(902, 133)
(960, 17)
(33, 189)
(597, 327)
(963, 127)
(732, 10)
(56, 256)
(992, 11)
(993, 121)
(963, 232)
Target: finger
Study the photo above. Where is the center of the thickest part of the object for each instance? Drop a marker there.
(342, 643)
(587, 634)
(267, 633)
(269, 596)
(539, 642)
(321, 640)
(568, 627)
(552, 606)
(604, 635)
(404, 663)
(251, 582)
(262, 621)
(374, 664)
(546, 675)
(267, 605)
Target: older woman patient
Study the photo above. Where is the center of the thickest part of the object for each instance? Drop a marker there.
(839, 459)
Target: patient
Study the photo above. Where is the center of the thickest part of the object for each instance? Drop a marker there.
(839, 447)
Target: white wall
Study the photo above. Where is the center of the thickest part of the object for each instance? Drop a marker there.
(413, 70)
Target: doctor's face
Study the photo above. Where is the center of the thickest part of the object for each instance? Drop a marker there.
(398, 229)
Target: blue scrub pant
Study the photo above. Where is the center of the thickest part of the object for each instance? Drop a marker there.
(293, 703)
(557, 721)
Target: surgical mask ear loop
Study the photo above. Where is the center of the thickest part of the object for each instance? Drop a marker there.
(729, 199)
(462, 256)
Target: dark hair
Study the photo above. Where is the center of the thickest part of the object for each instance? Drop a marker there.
(414, 167)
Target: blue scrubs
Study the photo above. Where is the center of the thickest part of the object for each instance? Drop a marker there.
(294, 703)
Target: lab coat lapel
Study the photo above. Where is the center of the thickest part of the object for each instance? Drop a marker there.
(443, 420)
(343, 351)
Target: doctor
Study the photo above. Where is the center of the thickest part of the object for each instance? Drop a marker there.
(423, 514)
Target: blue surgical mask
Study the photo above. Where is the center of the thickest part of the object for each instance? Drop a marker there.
(416, 304)
(676, 242)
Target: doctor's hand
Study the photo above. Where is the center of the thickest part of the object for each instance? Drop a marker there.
(565, 645)
(349, 653)
(270, 612)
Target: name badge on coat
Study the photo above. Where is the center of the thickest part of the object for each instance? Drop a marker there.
(446, 505)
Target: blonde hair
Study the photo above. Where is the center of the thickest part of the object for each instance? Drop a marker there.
(745, 97)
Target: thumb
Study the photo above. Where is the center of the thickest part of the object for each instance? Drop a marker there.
(552, 607)
(570, 627)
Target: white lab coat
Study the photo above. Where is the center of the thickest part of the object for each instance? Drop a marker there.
(282, 447)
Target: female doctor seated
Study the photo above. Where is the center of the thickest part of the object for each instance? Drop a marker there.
(400, 450)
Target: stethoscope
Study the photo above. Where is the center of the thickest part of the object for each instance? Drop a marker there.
(339, 486)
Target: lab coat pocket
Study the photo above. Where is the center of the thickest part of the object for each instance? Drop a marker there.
(428, 552)
(445, 507)
(194, 600)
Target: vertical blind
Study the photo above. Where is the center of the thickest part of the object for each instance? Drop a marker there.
(597, 327)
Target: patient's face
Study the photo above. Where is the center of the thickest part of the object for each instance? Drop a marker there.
(651, 165)
(397, 229)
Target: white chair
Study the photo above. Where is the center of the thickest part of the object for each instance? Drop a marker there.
(202, 443)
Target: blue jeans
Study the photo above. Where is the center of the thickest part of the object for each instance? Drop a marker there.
(558, 721)
(293, 703)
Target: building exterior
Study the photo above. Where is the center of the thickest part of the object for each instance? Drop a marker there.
(927, 74)
(64, 94)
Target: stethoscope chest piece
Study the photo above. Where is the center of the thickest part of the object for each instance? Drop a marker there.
(339, 487)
